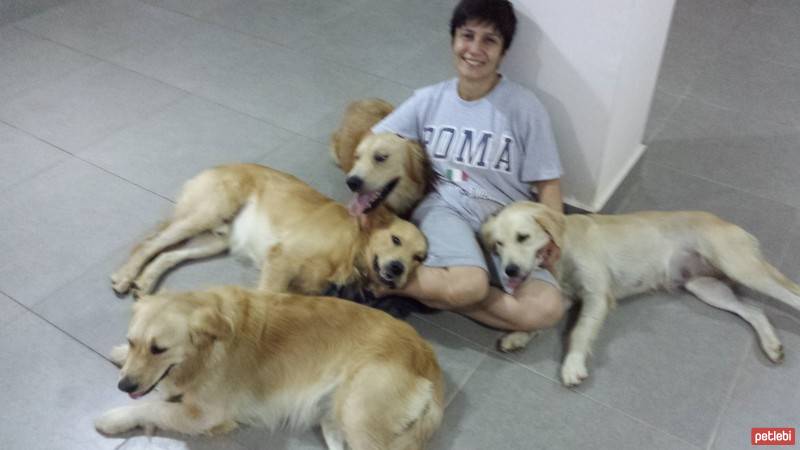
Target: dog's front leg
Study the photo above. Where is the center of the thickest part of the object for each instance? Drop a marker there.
(593, 314)
(170, 416)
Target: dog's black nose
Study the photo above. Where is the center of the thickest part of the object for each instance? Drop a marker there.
(512, 270)
(354, 183)
(126, 385)
(396, 268)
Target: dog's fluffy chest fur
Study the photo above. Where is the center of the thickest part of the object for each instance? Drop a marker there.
(251, 233)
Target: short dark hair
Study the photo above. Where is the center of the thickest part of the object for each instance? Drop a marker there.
(498, 13)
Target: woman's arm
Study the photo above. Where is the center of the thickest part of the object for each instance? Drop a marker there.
(549, 192)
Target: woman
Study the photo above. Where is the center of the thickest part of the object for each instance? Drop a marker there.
(490, 142)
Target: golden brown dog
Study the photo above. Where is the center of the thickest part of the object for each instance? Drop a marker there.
(228, 355)
(382, 168)
(605, 257)
(303, 241)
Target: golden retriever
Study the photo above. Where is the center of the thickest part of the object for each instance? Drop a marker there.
(303, 241)
(229, 355)
(383, 168)
(605, 257)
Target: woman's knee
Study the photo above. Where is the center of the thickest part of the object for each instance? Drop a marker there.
(544, 308)
(466, 286)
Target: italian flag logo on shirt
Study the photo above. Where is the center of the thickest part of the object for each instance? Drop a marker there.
(457, 175)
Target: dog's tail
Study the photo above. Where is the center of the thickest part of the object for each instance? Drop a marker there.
(737, 254)
(424, 415)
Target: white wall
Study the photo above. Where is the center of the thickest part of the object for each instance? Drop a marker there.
(594, 65)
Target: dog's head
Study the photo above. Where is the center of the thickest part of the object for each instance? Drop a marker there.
(394, 250)
(165, 332)
(522, 234)
(384, 164)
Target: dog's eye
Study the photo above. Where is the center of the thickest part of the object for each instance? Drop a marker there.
(156, 350)
(499, 243)
(419, 258)
(522, 237)
(380, 158)
(396, 240)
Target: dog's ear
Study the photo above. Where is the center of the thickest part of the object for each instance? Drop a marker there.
(487, 230)
(378, 218)
(551, 220)
(415, 162)
(208, 322)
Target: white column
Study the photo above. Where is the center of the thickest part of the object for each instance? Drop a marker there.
(594, 65)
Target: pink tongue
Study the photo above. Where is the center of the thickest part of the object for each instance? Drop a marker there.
(135, 395)
(513, 283)
(358, 204)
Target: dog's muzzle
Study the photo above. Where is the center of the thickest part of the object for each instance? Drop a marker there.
(354, 183)
(389, 273)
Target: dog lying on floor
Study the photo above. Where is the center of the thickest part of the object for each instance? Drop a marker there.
(383, 168)
(303, 241)
(605, 257)
(229, 355)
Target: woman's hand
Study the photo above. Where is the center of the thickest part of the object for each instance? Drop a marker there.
(551, 254)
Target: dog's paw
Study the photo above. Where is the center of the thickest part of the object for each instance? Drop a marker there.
(118, 354)
(774, 352)
(115, 421)
(141, 287)
(223, 428)
(574, 371)
(121, 283)
(516, 340)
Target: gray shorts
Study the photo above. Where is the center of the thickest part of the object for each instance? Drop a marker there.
(451, 228)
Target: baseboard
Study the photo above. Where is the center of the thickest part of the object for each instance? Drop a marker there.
(601, 199)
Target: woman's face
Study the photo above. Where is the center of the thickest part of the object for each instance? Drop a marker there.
(477, 51)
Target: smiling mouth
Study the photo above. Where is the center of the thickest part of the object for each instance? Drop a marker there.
(473, 63)
(377, 268)
(364, 202)
(135, 395)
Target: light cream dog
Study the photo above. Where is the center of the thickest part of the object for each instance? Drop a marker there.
(383, 168)
(228, 355)
(605, 257)
(303, 241)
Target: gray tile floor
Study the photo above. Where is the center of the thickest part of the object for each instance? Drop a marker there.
(107, 106)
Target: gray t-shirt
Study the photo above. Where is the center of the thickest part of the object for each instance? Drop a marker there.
(491, 148)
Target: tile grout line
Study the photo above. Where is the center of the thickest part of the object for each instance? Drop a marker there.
(486, 350)
(100, 59)
(535, 372)
(669, 115)
(77, 157)
(263, 39)
(64, 332)
(729, 395)
(594, 400)
(482, 346)
(219, 26)
(719, 183)
(165, 83)
(460, 386)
